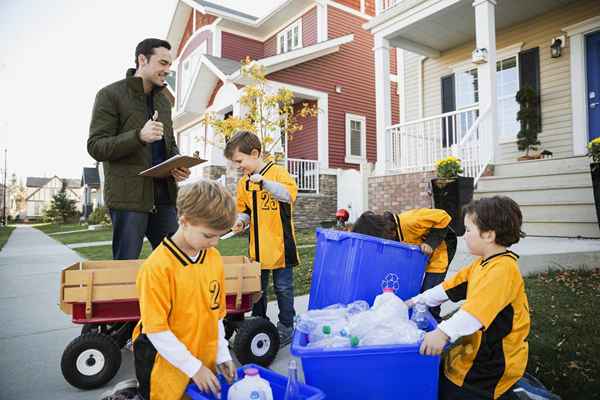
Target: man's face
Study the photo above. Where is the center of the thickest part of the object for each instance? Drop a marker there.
(156, 68)
(246, 163)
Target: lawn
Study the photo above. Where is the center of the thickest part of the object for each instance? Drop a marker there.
(85, 236)
(5, 232)
(54, 228)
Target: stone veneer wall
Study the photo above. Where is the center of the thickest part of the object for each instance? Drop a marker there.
(311, 210)
(397, 193)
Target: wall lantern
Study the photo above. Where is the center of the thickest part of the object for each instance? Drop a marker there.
(479, 56)
(556, 47)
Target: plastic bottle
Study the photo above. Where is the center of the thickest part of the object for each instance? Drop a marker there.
(356, 307)
(389, 306)
(336, 341)
(251, 387)
(292, 390)
(319, 334)
(419, 316)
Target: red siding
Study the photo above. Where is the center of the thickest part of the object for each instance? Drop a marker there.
(395, 104)
(304, 142)
(197, 41)
(214, 93)
(370, 7)
(237, 47)
(393, 61)
(352, 68)
(204, 19)
(350, 3)
(187, 33)
(309, 33)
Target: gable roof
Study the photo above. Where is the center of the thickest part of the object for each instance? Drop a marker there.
(33, 181)
(90, 177)
(224, 65)
(216, 9)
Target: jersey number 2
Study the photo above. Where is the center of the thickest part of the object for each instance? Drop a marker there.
(215, 290)
(267, 202)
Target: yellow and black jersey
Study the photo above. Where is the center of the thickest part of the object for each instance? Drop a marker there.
(492, 359)
(414, 226)
(185, 297)
(272, 237)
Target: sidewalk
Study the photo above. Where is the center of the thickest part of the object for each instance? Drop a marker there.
(34, 332)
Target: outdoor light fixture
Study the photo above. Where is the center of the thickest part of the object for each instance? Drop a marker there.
(338, 88)
(479, 56)
(556, 46)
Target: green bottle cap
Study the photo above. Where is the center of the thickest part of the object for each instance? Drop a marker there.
(326, 329)
(354, 341)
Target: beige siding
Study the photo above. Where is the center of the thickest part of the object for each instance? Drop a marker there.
(411, 84)
(556, 134)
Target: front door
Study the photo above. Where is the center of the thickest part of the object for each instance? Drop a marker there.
(592, 46)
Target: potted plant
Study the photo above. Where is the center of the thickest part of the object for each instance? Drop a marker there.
(529, 117)
(594, 153)
(452, 192)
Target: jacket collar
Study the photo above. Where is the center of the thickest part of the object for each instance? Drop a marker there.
(136, 84)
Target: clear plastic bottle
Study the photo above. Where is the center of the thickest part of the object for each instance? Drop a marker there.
(419, 316)
(292, 390)
(319, 334)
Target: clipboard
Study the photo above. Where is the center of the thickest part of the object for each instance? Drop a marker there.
(163, 169)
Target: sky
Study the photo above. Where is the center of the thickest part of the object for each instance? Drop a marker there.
(55, 60)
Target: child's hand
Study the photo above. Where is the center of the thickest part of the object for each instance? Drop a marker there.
(433, 343)
(207, 381)
(238, 226)
(256, 178)
(425, 248)
(228, 370)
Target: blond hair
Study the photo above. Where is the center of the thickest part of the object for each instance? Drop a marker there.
(207, 203)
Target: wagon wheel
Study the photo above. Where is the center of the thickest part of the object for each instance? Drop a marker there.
(232, 323)
(256, 342)
(90, 361)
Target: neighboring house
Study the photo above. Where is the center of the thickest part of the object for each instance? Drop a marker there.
(91, 194)
(40, 191)
(319, 50)
(456, 102)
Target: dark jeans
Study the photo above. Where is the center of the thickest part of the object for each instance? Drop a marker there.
(283, 282)
(449, 391)
(432, 279)
(130, 227)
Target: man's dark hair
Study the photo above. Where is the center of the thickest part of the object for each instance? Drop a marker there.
(147, 46)
(500, 214)
(244, 142)
(378, 225)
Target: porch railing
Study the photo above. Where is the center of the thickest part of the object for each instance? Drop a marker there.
(306, 173)
(416, 146)
(383, 5)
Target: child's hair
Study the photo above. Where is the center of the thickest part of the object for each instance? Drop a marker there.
(208, 203)
(379, 225)
(244, 142)
(500, 214)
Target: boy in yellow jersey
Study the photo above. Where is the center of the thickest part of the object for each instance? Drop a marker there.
(490, 330)
(180, 336)
(265, 197)
(426, 227)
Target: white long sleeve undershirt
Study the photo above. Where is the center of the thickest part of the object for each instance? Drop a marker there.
(175, 352)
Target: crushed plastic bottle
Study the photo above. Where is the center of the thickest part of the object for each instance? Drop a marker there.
(403, 332)
(335, 341)
(356, 307)
(389, 306)
(419, 316)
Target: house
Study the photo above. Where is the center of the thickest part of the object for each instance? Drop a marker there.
(317, 49)
(460, 65)
(40, 191)
(92, 196)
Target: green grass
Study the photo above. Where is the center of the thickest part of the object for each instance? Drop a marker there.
(86, 236)
(53, 228)
(564, 344)
(5, 232)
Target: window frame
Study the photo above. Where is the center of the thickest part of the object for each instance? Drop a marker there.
(283, 46)
(350, 158)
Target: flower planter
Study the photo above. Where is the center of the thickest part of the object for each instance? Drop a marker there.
(595, 170)
(451, 195)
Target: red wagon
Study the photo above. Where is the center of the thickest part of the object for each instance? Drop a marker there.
(101, 295)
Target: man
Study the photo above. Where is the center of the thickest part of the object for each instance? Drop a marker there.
(131, 130)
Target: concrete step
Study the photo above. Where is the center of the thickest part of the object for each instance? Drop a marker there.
(547, 166)
(538, 180)
(560, 212)
(549, 228)
(543, 195)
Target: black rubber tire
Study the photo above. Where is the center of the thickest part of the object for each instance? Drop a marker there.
(121, 331)
(96, 341)
(242, 345)
(232, 323)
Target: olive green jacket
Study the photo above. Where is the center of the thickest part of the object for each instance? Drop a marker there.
(118, 116)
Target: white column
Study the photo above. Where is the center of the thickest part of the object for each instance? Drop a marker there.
(322, 22)
(485, 37)
(323, 131)
(383, 100)
(578, 94)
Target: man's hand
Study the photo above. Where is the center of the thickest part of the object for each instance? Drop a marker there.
(256, 178)
(238, 226)
(152, 130)
(426, 249)
(433, 343)
(180, 174)
(228, 370)
(207, 381)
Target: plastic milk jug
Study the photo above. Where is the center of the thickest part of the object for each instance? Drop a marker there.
(252, 387)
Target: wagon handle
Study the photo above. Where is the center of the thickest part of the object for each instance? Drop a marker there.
(88, 300)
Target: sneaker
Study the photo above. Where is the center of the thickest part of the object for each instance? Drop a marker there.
(285, 334)
(126, 390)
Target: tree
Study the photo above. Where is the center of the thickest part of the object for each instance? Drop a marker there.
(270, 115)
(528, 115)
(61, 208)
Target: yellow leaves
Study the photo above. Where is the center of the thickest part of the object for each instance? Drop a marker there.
(448, 167)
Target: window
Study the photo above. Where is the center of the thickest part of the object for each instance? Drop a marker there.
(290, 38)
(507, 85)
(188, 70)
(356, 138)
